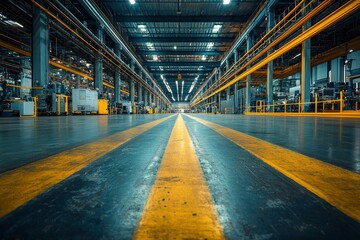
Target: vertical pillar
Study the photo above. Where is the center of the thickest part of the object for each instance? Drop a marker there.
(117, 81)
(140, 93)
(236, 86)
(270, 66)
(132, 86)
(337, 70)
(40, 48)
(146, 98)
(98, 62)
(249, 44)
(77, 81)
(228, 89)
(305, 70)
(132, 92)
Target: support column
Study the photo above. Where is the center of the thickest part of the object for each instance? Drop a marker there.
(305, 70)
(98, 83)
(117, 80)
(337, 70)
(139, 93)
(146, 98)
(270, 66)
(249, 44)
(132, 86)
(228, 89)
(236, 86)
(132, 92)
(40, 48)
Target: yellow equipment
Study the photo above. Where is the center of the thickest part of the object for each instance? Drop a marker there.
(62, 102)
(103, 106)
(260, 106)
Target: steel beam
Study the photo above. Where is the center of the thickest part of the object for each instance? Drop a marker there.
(180, 39)
(183, 72)
(207, 53)
(195, 64)
(182, 18)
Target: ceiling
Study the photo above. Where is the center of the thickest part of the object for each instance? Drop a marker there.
(180, 37)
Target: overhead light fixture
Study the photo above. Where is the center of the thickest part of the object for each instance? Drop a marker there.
(216, 28)
(150, 46)
(296, 56)
(175, 47)
(142, 27)
(350, 51)
(13, 23)
(226, 2)
(210, 45)
(133, 2)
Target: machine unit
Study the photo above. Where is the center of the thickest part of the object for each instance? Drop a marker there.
(84, 101)
(24, 108)
(103, 106)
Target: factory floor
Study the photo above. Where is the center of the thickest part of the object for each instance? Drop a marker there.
(179, 176)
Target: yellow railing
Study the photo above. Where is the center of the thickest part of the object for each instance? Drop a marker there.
(336, 105)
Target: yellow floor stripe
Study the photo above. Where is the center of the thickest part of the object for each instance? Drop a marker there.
(180, 205)
(23, 184)
(337, 186)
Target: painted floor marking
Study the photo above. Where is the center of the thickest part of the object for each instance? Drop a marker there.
(337, 186)
(20, 185)
(180, 204)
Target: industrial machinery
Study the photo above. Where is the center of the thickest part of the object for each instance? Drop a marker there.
(52, 100)
(126, 107)
(84, 101)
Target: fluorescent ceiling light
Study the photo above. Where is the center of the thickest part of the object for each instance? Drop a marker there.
(13, 23)
(296, 56)
(216, 28)
(210, 45)
(226, 2)
(133, 1)
(142, 27)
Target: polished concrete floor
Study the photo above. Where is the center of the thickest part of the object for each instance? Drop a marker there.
(107, 196)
